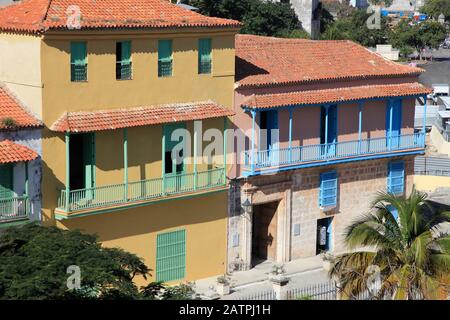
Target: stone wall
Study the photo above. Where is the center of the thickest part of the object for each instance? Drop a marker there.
(298, 190)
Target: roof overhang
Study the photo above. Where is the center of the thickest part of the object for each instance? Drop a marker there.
(91, 121)
(332, 96)
(11, 152)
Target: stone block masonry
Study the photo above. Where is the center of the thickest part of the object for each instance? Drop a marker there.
(297, 192)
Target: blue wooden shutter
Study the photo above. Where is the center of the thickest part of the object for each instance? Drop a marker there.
(393, 211)
(171, 256)
(204, 55)
(6, 181)
(396, 177)
(328, 189)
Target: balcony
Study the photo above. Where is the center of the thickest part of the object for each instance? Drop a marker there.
(309, 155)
(14, 209)
(135, 193)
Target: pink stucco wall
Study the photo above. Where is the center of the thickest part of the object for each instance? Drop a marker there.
(306, 120)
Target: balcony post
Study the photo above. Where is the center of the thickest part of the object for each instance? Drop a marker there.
(361, 105)
(252, 163)
(326, 130)
(290, 135)
(391, 111)
(424, 120)
(195, 156)
(225, 141)
(125, 162)
(163, 161)
(26, 189)
(67, 208)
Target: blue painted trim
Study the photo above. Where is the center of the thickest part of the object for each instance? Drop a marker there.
(248, 109)
(247, 173)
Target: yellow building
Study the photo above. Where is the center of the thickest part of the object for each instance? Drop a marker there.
(111, 85)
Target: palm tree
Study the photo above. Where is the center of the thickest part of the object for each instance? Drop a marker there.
(411, 252)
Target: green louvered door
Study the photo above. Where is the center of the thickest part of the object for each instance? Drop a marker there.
(6, 181)
(174, 171)
(204, 56)
(6, 190)
(171, 256)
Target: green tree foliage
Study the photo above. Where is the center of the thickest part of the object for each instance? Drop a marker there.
(409, 37)
(34, 262)
(434, 8)
(355, 28)
(412, 254)
(264, 18)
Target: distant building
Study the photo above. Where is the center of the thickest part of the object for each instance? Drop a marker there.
(308, 12)
(359, 3)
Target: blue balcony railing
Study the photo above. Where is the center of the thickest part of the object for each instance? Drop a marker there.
(325, 152)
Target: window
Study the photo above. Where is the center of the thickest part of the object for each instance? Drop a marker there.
(204, 56)
(123, 60)
(165, 58)
(396, 177)
(171, 256)
(171, 165)
(328, 189)
(78, 61)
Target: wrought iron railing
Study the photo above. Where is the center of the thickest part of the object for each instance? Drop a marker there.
(123, 71)
(117, 194)
(204, 67)
(164, 68)
(325, 152)
(78, 73)
(14, 208)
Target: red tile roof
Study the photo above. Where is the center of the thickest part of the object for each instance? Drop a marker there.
(142, 116)
(41, 15)
(12, 152)
(12, 108)
(313, 97)
(266, 61)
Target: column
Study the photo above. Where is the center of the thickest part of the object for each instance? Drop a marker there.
(67, 208)
(326, 130)
(391, 111)
(125, 162)
(424, 120)
(27, 202)
(195, 156)
(252, 163)
(225, 141)
(361, 105)
(290, 135)
(163, 162)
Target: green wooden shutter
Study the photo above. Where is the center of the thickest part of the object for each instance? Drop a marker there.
(6, 181)
(171, 256)
(204, 55)
(164, 58)
(89, 159)
(126, 52)
(78, 54)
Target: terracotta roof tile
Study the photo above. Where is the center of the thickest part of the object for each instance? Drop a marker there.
(12, 108)
(313, 97)
(41, 15)
(142, 116)
(266, 61)
(11, 152)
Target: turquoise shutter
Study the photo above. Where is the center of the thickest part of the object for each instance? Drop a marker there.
(171, 256)
(89, 160)
(164, 58)
(328, 189)
(396, 177)
(6, 181)
(204, 55)
(126, 52)
(78, 54)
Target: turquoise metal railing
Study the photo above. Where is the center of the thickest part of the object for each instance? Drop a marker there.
(14, 208)
(111, 195)
(325, 152)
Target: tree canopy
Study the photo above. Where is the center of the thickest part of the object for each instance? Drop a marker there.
(34, 262)
(264, 18)
(434, 8)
